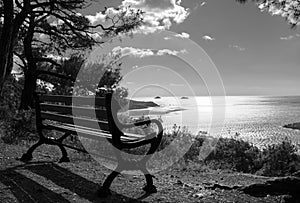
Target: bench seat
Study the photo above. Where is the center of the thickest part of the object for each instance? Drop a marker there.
(92, 133)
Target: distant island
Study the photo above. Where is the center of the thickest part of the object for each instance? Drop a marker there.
(157, 97)
(184, 98)
(295, 126)
(141, 104)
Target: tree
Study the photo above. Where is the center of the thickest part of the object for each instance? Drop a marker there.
(61, 28)
(62, 79)
(11, 26)
(289, 9)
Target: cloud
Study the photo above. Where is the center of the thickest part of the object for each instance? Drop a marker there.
(287, 37)
(237, 47)
(199, 5)
(135, 52)
(159, 14)
(290, 37)
(176, 85)
(140, 53)
(183, 35)
(97, 18)
(170, 52)
(203, 3)
(104, 16)
(208, 38)
(130, 83)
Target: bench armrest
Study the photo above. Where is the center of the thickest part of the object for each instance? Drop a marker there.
(153, 138)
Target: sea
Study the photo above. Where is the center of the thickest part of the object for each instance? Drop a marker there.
(257, 119)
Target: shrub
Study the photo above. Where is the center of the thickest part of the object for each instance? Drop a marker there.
(177, 139)
(15, 124)
(10, 99)
(234, 154)
(193, 153)
(279, 160)
(275, 160)
(169, 137)
(18, 127)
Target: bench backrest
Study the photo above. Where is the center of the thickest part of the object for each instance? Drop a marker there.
(88, 112)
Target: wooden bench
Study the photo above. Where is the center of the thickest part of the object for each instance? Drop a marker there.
(93, 118)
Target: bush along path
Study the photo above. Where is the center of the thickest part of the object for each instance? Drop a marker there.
(45, 180)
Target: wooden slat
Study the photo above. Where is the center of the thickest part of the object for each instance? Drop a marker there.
(77, 101)
(90, 123)
(75, 111)
(89, 133)
(131, 135)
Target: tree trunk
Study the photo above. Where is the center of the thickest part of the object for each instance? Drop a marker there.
(9, 36)
(30, 74)
(27, 100)
(6, 42)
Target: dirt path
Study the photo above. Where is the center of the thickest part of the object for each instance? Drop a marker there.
(45, 180)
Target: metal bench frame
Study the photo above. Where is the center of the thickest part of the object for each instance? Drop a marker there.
(117, 138)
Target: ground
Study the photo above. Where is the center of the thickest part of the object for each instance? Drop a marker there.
(46, 180)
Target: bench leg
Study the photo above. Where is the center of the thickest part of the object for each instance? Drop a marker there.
(28, 155)
(104, 191)
(64, 157)
(149, 188)
(64, 153)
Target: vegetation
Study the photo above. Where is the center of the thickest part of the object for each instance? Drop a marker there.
(234, 154)
(275, 160)
(229, 154)
(16, 125)
(238, 155)
(279, 160)
(32, 31)
(288, 9)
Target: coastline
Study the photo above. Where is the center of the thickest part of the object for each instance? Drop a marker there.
(295, 126)
(261, 121)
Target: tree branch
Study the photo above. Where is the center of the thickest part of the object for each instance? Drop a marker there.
(49, 60)
(43, 72)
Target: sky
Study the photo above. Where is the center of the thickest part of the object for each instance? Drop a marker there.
(254, 52)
